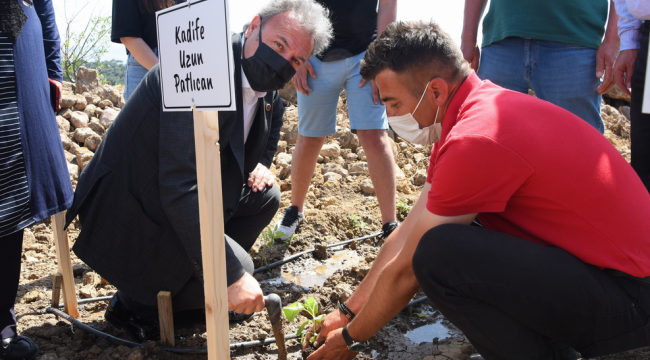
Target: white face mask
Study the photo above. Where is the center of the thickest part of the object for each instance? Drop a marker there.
(409, 129)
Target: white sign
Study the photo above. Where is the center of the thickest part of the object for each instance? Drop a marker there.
(195, 50)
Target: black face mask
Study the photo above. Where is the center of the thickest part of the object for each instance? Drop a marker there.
(267, 70)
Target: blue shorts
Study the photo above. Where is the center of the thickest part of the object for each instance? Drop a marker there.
(317, 112)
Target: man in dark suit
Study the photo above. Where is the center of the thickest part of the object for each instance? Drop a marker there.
(137, 199)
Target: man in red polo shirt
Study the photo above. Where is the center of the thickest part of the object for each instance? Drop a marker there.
(561, 267)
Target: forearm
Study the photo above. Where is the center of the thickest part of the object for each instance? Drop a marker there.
(386, 14)
(611, 32)
(140, 51)
(471, 18)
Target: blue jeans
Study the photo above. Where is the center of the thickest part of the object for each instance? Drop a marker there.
(562, 74)
(134, 74)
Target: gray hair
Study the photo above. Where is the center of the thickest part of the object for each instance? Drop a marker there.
(311, 16)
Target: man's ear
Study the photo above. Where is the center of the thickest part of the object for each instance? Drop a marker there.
(440, 88)
(253, 27)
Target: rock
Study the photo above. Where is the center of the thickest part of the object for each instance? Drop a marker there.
(49, 356)
(63, 124)
(330, 150)
(68, 100)
(359, 168)
(290, 126)
(616, 93)
(367, 187)
(92, 142)
(86, 80)
(69, 156)
(120, 104)
(31, 296)
(330, 176)
(403, 146)
(87, 292)
(107, 92)
(625, 110)
(351, 157)
(79, 269)
(284, 173)
(67, 87)
(334, 168)
(361, 154)
(417, 157)
(65, 141)
(420, 178)
(394, 148)
(399, 174)
(98, 112)
(90, 110)
(282, 147)
(74, 171)
(347, 139)
(136, 355)
(65, 113)
(96, 126)
(74, 149)
(83, 157)
(79, 119)
(92, 278)
(320, 250)
(289, 93)
(104, 103)
(81, 103)
(283, 160)
(82, 133)
(330, 200)
(108, 116)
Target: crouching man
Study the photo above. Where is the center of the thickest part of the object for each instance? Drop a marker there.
(562, 264)
(137, 199)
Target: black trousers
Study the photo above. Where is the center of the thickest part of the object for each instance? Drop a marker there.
(12, 248)
(640, 122)
(254, 213)
(519, 300)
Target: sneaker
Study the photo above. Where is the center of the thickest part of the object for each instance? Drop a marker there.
(18, 348)
(289, 222)
(388, 229)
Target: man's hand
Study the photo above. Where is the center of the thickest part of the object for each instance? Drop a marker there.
(245, 295)
(333, 321)
(624, 68)
(375, 90)
(300, 79)
(605, 59)
(471, 53)
(260, 178)
(334, 348)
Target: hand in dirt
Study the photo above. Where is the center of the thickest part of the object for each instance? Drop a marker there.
(334, 348)
(245, 295)
(260, 178)
(333, 321)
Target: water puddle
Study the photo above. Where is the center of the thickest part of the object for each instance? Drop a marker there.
(426, 333)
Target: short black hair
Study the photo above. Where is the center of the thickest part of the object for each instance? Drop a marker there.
(417, 50)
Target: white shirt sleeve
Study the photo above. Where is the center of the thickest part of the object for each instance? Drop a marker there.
(628, 26)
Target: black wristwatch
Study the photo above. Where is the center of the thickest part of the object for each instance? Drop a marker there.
(354, 346)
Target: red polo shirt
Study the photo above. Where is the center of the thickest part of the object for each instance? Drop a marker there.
(535, 171)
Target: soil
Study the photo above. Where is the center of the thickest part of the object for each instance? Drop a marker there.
(336, 210)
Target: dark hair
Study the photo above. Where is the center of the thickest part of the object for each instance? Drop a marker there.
(151, 6)
(418, 50)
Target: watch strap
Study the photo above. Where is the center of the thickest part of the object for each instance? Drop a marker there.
(347, 337)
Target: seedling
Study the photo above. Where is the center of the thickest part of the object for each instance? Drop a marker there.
(357, 222)
(311, 306)
(269, 235)
(403, 209)
(420, 315)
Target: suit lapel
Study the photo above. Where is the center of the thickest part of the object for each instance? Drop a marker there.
(237, 139)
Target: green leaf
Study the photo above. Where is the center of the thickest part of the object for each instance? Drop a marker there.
(311, 306)
(319, 318)
(421, 315)
(302, 327)
(311, 340)
(291, 311)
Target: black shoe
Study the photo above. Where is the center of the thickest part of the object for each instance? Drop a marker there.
(387, 229)
(18, 348)
(289, 223)
(122, 318)
(235, 318)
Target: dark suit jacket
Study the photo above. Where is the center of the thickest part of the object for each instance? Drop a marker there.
(137, 199)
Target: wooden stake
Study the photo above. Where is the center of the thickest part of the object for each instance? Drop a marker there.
(166, 317)
(65, 264)
(57, 279)
(208, 171)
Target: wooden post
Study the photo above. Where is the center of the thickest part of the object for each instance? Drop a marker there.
(57, 279)
(65, 264)
(208, 171)
(166, 317)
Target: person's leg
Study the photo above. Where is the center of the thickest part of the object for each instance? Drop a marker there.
(254, 213)
(505, 63)
(640, 122)
(370, 122)
(303, 163)
(12, 247)
(565, 75)
(134, 75)
(515, 299)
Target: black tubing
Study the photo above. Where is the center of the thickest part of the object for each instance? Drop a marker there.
(295, 256)
(90, 300)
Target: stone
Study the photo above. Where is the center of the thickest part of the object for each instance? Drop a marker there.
(330, 176)
(65, 141)
(98, 112)
(334, 168)
(86, 80)
(347, 139)
(65, 113)
(625, 110)
(403, 146)
(67, 87)
(89, 97)
(107, 92)
(74, 171)
(290, 125)
(79, 120)
(49, 356)
(120, 104)
(79, 269)
(90, 110)
(92, 278)
(616, 93)
(63, 124)
(74, 149)
(282, 147)
(87, 292)
(283, 160)
(351, 157)
(289, 93)
(68, 156)
(92, 142)
(399, 174)
(417, 157)
(104, 103)
(83, 157)
(330, 150)
(367, 187)
(359, 168)
(31, 296)
(361, 154)
(284, 173)
(108, 116)
(81, 134)
(68, 100)
(420, 178)
(404, 186)
(96, 126)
